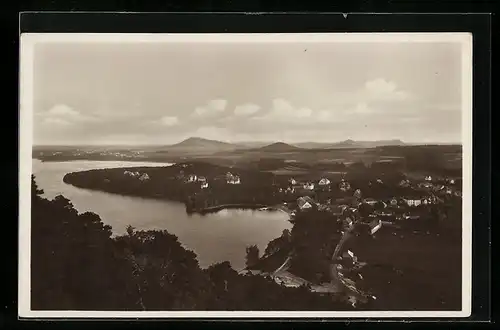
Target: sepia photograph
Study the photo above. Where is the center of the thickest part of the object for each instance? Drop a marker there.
(245, 175)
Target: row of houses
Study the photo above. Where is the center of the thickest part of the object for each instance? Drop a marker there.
(137, 175)
(193, 178)
(323, 182)
(230, 179)
(442, 187)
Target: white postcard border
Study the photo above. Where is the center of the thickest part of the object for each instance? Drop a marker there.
(27, 43)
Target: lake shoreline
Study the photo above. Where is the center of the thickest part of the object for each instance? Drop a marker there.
(202, 211)
(132, 160)
(214, 237)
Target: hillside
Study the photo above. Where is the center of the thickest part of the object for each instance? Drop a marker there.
(279, 147)
(350, 144)
(196, 143)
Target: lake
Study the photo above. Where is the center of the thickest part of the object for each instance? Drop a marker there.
(213, 237)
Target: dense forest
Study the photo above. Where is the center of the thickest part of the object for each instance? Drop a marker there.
(76, 264)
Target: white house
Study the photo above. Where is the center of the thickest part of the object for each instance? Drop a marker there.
(132, 174)
(383, 214)
(411, 216)
(324, 182)
(305, 202)
(192, 178)
(404, 183)
(292, 181)
(379, 181)
(204, 185)
(357, 193)
(426, 185)
(394, 201)
(370, 201)
(375, 225)
(202, 179)
(337, 210)
(344, 185)
(349, 221)
(309, 186)
(413, 201)
(428, 178)
(144, 177)
(352, 255)
(234, 179)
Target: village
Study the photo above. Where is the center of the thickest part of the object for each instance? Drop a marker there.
(376, 201)
(373, 204)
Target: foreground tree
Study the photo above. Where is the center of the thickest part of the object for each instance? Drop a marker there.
(77, 265)
(252, 255)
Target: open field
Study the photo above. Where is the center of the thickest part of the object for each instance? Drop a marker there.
(422, 159)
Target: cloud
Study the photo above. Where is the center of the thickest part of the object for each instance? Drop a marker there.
(169, 121)
(64, 113)
(447, 107)
(303, 113)
(220, 134)
(380, 86)
(200, 111)
(381, 89)
(363, 109)
(211, 108)
(219, 105)
(284, 112)
(63, 110)
(56, 121)
(246, 109)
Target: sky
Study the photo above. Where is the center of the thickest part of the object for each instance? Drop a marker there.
(165, 92)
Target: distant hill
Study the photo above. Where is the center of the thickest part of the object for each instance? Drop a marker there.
(279, 147)
(350, 144)
(196, 143)
(253, 144)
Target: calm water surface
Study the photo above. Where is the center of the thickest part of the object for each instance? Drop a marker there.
(214, 238)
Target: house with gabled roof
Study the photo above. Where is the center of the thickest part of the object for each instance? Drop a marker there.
(324, 182)
(192, 178)
(375, 226)
(407, 216)
(232, 179)
(337, 209)
(370, 201)
(344, 185)
(404, 183)
(413, 201)
(305, 202)
(308, 186)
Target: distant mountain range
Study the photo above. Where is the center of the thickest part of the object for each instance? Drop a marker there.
(197, 143)
(350, 144)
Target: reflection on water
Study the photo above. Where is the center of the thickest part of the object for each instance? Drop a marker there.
(214, 237)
